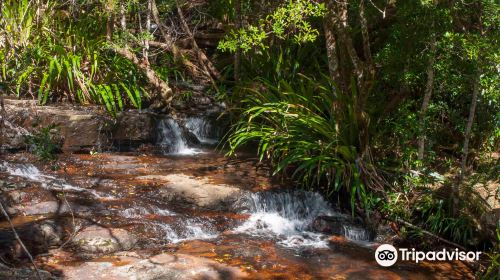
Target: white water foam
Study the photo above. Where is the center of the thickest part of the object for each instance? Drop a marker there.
(356, 233)
(202, 129)
(171, 139)
(32, 173)
(138, 212)
(286, 216)
(187, 229)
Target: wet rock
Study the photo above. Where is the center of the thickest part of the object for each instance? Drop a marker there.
(53, 207)
(97, 239)
(78, 129)
(12, 136)
(334, 224)
(23, 273)
(38, 237)
(163, 266)
(134, 128)
(196, 191)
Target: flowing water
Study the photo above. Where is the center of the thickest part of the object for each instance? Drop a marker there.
(267, 231)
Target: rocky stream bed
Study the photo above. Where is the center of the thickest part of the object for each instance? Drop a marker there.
(170, 206)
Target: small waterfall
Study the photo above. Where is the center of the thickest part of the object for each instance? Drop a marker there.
(170, 138)
(287, 216)
(186, 229)
(203, 129)
(138, 212)
(33, 174)
(356, 233)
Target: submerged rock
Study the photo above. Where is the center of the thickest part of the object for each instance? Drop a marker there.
(97, 239)
(125, 266)
(196, 191)
(53, 207)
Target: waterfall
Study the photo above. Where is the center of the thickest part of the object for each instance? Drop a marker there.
(171, 139)
(356, 233)
(203, 129)
(287, 216)
(33, 174)
(185, 229)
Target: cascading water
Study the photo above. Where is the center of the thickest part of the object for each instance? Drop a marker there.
(185, 229)
(203, 129)
(356, 233)
(32, 173)
(171, 139)
(286, 216)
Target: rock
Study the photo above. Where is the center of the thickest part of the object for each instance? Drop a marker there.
(37, 236)
(23, 273)
(79, 129)
(53, 207)
(12, 136)
(96, 239)
(134, 128)
(490, 222)
(125, 266)
(196, 191)
(334, 224)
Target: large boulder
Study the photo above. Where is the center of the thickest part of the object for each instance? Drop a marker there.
(78, 128)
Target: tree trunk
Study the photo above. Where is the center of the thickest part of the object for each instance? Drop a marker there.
(206, 64)
(331, 47)
(123, 20)
(237, 54)
(145, 52)
(468, 130)
(427, 96)
(170, 44)
(470, 122)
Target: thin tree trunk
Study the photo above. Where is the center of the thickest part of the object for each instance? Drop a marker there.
(145, 52)
(170, 44)
(206, 64)
(237, 54)
(427, 96)
(123, 14)
(468, 130)
(470, 122)
(109, 27)
(331, 46)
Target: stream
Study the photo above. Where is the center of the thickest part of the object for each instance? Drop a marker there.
(184, 198)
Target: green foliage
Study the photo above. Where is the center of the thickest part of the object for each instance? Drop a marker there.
(493, 269)
(300, 129)
(290, 19)
(60, 57)
(43, 143)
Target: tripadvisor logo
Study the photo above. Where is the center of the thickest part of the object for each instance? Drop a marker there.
(387, 255)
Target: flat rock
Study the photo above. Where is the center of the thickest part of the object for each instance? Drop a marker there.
(52, 207)
(125, 266)
(97, 239)
(197, 191)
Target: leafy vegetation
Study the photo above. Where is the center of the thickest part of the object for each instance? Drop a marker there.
(390, 107)
(44, 144)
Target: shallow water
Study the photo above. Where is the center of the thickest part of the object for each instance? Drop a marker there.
(268, 235)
